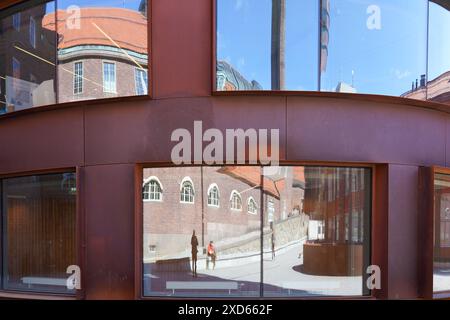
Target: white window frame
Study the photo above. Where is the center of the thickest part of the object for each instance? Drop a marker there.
(187, 180)
(237, 193)
(32, 31)
(210, 188)
(136, 71)
(270, 211)
(75, 77)
(148, 181)
(104, 62)
(249, 200)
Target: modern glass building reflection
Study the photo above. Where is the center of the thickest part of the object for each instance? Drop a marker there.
(100, 99)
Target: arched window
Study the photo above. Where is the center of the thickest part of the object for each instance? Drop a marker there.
(236, 201)
(252, 207)
(187, 191)
(213, 195)
(152, 190)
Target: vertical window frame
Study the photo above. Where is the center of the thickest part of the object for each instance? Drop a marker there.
(107, 89)
(78, 79)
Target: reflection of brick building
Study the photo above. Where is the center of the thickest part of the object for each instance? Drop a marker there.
(168, 223)
(18, 69)
(437, 90)
(105, 51)
(336, 197)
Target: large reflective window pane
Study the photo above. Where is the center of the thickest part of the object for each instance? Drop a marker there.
(267, 45)
(441, 278)
(102, 49)
(316, 231)
(39, 232)
(375, 47)
(439, 52)
(201, 228)
(27, 56)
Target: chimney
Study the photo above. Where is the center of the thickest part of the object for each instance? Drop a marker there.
(423, 80)
(417, 84)
(412, 86)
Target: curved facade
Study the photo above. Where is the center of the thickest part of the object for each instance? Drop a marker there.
(108, 149)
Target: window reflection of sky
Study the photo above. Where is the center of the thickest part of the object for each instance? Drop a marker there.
(385, 61)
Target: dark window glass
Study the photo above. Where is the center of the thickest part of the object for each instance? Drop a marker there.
(441, 278)
(39, 228)
(27, 56)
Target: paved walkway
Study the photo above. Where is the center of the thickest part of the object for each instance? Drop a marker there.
(282, 276)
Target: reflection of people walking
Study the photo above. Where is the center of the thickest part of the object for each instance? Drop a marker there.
(194, 251)
(211, 251)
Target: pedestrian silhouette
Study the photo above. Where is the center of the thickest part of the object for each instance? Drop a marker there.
(194, 251)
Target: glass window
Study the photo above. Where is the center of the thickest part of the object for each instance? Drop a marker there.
(39, 232)
(141, 81)
(438, 84)
(96, 31)
(252, 207)
(213, 196)
(313, 244)
(31, 51)
(187, 191)
(152, 190)
(267, 45)
(199, 250)
(348, 46)
(306, 252)
(110, 37)
(441, 265)
(78, 78)
(109, 77)
(235, 201)
(371, 47)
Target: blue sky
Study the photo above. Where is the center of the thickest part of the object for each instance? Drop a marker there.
(384, 61)
(130, 4)
(63, 4)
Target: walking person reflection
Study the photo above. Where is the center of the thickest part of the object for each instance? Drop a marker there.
(194, 251)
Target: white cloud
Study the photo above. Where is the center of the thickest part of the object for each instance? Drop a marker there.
(399, 74)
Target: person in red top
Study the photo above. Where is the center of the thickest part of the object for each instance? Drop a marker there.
(211, 252)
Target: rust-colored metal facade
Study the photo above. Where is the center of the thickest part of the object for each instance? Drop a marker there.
(108, 141)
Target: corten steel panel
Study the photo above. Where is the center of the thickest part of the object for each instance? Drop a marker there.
(181, 57)
(403, 232)
(109, 214)
(141, 131)
(345, 130)
(43, 140)
(447, 146)
(380, 227)
(252, 113)
(425, 232)
(7, 3)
